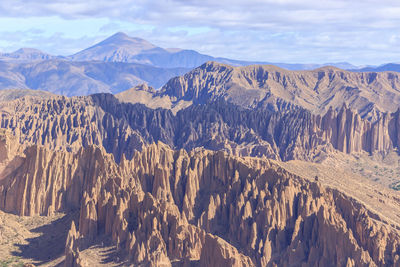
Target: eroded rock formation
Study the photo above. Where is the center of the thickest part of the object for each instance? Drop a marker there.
(121, 128)
(173, 189)
(369, 93)
(166, 206)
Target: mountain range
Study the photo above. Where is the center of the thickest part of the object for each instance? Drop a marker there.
(217, 183)
(81, 78)
(128, 154)
(116, 64)
(371, 94)
(123, 48)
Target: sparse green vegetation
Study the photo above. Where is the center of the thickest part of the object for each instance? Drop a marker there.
(14, 262)
(5, 263)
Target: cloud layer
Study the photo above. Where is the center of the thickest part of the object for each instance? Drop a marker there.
(362, 32)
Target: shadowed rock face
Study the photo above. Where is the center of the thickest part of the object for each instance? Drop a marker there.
(127, 170)
(369, 93)
(121, 128)
(206, 207)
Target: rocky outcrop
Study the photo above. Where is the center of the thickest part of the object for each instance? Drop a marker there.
(369, 93)
(41, 181)
(165, 206)
(267, 215)
(67, 124)
(72, 256)
(174, 189)
(218, 252)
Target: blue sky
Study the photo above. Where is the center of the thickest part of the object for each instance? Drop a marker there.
(292, 31)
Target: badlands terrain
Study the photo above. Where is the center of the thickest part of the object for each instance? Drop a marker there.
(222, 166)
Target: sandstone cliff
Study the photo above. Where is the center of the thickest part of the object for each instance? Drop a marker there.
(165, 206)
(69, 124)
(144, 178)
(369, 93)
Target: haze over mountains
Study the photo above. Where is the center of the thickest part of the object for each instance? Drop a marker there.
(123, 48)
(26, 54)
(81, 78)
(116, 64)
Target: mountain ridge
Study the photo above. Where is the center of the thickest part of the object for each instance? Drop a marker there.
(369, 93)
(120, 47)
(123, 48)
(165, 213)
(105, 67)
(81, 78)
(26, 54)
(224, 165)
(153, 188)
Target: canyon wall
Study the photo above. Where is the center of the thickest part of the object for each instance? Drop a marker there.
(69, 124)
(368, 93)
(201, 207)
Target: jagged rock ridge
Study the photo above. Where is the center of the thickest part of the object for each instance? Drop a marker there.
(158, 205)
(369, 93)
(202, 207)
(122, 128)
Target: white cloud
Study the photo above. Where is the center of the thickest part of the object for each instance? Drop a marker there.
(270, 30)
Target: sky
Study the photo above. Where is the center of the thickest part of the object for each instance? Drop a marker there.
(309, 31)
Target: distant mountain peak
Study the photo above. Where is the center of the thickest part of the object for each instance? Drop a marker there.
(26, 54)
(25, 50)
(174, 50)
(123, 40)
(215, 65)
(120, 47)
(117, 48)
(119, 35)
(328, 68)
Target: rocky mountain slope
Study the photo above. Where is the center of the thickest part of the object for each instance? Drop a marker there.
(369, 93)
(81, 78)
(201, 208)
(121, 128)
(158, 188)
(383, 67)
(121, 62)
(26, 55)
(12, 94)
